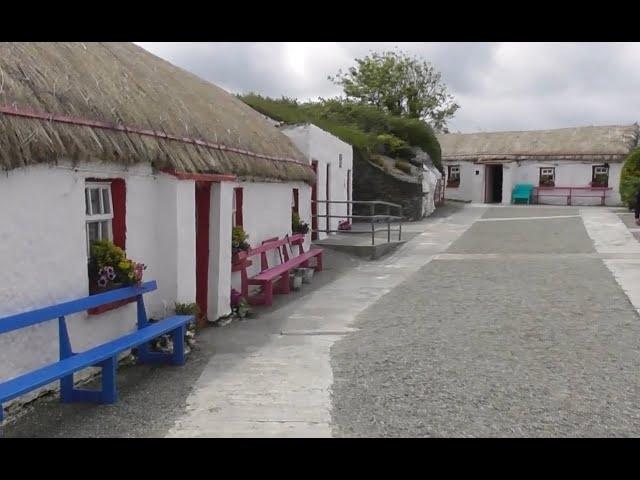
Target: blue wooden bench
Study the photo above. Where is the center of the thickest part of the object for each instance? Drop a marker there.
(104, 356)
(522, 191)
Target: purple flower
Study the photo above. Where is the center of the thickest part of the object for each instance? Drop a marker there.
(111, 276)
(109, 271)
(102, 281)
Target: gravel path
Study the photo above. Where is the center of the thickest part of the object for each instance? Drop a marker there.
(543, 346)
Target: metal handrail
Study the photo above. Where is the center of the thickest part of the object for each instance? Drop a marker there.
(373, 218)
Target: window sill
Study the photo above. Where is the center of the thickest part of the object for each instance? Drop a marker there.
(110, 306)
(454, 186)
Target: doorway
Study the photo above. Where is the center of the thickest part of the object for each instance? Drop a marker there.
(493, 184)
(203, 208)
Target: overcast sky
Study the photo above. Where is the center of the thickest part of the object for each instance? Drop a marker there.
(499, 86)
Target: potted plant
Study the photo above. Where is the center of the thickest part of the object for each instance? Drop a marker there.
(238, 243)
(297, 225)
(109, 268)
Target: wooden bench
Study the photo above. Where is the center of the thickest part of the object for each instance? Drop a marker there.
(572, 192)
(104, 356)
(278, 274)
(522, 191)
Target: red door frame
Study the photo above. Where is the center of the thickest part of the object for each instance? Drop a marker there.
(203, 209)
(314, 205)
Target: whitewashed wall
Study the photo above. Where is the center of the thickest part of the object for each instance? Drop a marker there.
(567, 174)
(316, 144)
(44, 259)
(471, 187)
(266, 213)
(570, 174)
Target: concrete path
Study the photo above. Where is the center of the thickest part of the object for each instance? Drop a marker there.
(283, 387)
(518, 329)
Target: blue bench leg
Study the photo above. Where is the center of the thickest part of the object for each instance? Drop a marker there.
(178, 345)
(109, 391)
(66, 389)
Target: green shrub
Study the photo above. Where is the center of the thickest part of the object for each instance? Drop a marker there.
(367, 128)
(630, 178)
(187, 309)
(403, 166)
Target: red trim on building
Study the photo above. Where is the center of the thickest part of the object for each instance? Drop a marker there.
(203, 208)
(296, 205)
(200, 177)
(239, 199)
(119, 199)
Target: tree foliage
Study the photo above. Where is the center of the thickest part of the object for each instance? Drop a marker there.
(401, 85)
(630, 178)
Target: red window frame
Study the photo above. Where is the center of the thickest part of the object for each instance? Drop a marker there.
(296, 204)
(119, 226)
(238, 195)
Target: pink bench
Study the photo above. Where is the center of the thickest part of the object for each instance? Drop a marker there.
(571, 192)
(276, 279)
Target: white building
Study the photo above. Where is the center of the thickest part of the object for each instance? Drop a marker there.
(485, 167)
(332, 160)
(116, 143)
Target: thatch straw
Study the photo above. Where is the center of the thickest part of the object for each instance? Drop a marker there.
(601, 143)
(122, 84)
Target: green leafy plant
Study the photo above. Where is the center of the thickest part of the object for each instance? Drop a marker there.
(243, 310)
(109, 267)
(297, 225)
(630, 178)
(239, 240)
(187, 309)
(403, 166)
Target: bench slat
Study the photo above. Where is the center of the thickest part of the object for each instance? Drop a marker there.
(22, 384)
(278, 270)
(14, 322)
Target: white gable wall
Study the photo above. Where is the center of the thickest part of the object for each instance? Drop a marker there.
(316, 144)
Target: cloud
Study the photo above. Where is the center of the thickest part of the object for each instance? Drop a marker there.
(499, 86)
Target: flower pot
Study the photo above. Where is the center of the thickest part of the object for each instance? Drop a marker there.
(307, 274)
(295, 281)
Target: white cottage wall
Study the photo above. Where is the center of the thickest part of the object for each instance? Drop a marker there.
(326, 149)
(266, 213)
(44, 258)
(471, 188)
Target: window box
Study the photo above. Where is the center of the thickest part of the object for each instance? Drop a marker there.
(109, 306)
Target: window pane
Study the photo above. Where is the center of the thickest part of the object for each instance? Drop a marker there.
(94, 195)
(93, 232)
(86, 201)
(105, 228)
(106, 200)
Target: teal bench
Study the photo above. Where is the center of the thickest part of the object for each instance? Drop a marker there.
(522, 191)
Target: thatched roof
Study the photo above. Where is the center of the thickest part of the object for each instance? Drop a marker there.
(605, 143)
(121, 85)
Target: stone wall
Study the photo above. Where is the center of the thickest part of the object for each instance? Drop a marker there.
(371, 182)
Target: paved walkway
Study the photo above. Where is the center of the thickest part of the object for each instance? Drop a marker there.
(489, 322)
(521, 328)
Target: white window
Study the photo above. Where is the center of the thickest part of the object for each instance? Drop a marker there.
(547, 177)
(453, 179)
(99, 213)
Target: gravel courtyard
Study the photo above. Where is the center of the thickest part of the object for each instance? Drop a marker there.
(534, 339)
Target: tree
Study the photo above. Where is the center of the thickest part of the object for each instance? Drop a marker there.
(402, 85)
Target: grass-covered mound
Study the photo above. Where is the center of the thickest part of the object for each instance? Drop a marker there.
(367, 128)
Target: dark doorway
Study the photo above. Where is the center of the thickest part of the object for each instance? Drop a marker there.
(493, 185)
